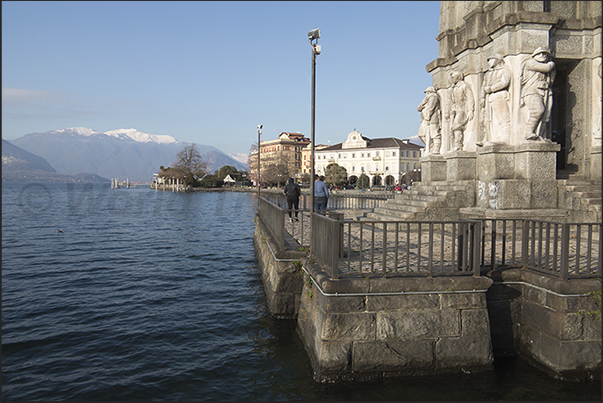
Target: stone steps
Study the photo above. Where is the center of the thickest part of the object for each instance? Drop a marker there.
(583, 198)
(434, 201)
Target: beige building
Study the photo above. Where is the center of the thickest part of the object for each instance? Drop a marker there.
(384, 160)
(286, 150)
(307, 156)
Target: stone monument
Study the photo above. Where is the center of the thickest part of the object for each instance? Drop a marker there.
(520, 93)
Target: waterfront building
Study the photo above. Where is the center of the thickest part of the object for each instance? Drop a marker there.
(384, 160)
(307, 156)
(284, 151)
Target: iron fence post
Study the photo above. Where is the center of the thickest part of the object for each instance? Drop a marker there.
(477, 230)
(565, 237)
(525, 240)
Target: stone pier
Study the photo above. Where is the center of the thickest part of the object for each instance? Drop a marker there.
(363, 328)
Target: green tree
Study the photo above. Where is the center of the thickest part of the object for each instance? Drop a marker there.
(211, 181)
(363, 181)
(336, 175)
(227, 170)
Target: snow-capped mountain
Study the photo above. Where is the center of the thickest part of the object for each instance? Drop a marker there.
(141, 137)
(127, 153)
(123, 134)
(241, 157)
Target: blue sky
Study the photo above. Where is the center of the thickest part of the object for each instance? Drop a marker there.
(210, 72)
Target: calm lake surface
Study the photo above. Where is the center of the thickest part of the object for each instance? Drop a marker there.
(134, 294)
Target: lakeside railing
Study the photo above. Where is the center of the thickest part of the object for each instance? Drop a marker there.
(337, 201)
(421, 248)
(564, 250)
(386, 248)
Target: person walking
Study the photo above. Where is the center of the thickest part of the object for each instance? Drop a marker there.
(292, 191)
(321, 194)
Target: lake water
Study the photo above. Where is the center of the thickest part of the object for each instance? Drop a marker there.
(134, 294)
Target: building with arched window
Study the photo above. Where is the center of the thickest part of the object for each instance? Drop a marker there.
(384, 160)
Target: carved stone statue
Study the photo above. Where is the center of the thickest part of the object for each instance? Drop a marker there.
(429, 131)
(537, 76)
(462, 107)
(494, 100)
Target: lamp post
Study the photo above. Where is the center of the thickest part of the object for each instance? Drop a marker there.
(313, 36)
(259, 183)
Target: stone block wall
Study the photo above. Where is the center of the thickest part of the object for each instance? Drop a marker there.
(370, 329)
(281, 273)
(551, 323)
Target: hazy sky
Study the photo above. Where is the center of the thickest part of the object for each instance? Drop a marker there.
(210, 72)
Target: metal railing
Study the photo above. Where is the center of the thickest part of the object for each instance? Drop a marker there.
(287, 234)
(422, 248)
(337, 201)
(272, 216)
(385, 248)
(564, 250)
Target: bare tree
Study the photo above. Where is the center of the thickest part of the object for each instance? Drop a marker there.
(189, 166)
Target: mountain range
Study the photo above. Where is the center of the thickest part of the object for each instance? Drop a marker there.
(19, 165)
(123, 153)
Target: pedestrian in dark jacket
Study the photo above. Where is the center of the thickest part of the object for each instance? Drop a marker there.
(292, 191)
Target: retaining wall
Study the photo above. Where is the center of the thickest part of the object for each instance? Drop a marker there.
(281, 273)
(366, 328)
(553, 324)
(362, 328)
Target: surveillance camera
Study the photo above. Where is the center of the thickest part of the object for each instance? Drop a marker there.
(260, 126)
(317, 49)
(314, 34)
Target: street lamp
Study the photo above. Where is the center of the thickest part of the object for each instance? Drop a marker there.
(313, 39)
(259, 183)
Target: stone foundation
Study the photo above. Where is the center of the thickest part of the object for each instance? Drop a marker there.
(362, 328)
(433, 168)
(460, 166)
(555, 325)
(368, 328)
(281, 274)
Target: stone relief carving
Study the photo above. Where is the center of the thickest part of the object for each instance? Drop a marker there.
(462, 107)
(597, 109)
(430, 129)
(537, 76)
(495, 104)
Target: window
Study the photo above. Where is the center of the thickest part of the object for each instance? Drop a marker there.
(407, 167)
(338, 155)
(387, 168)
(353, 168)
(414, 154)
(407, 154)
(353, 155)
(393, 153)
(368, 155)
(362, 155)
(376, 153)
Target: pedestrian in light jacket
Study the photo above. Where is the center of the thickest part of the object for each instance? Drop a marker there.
(321, 194)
